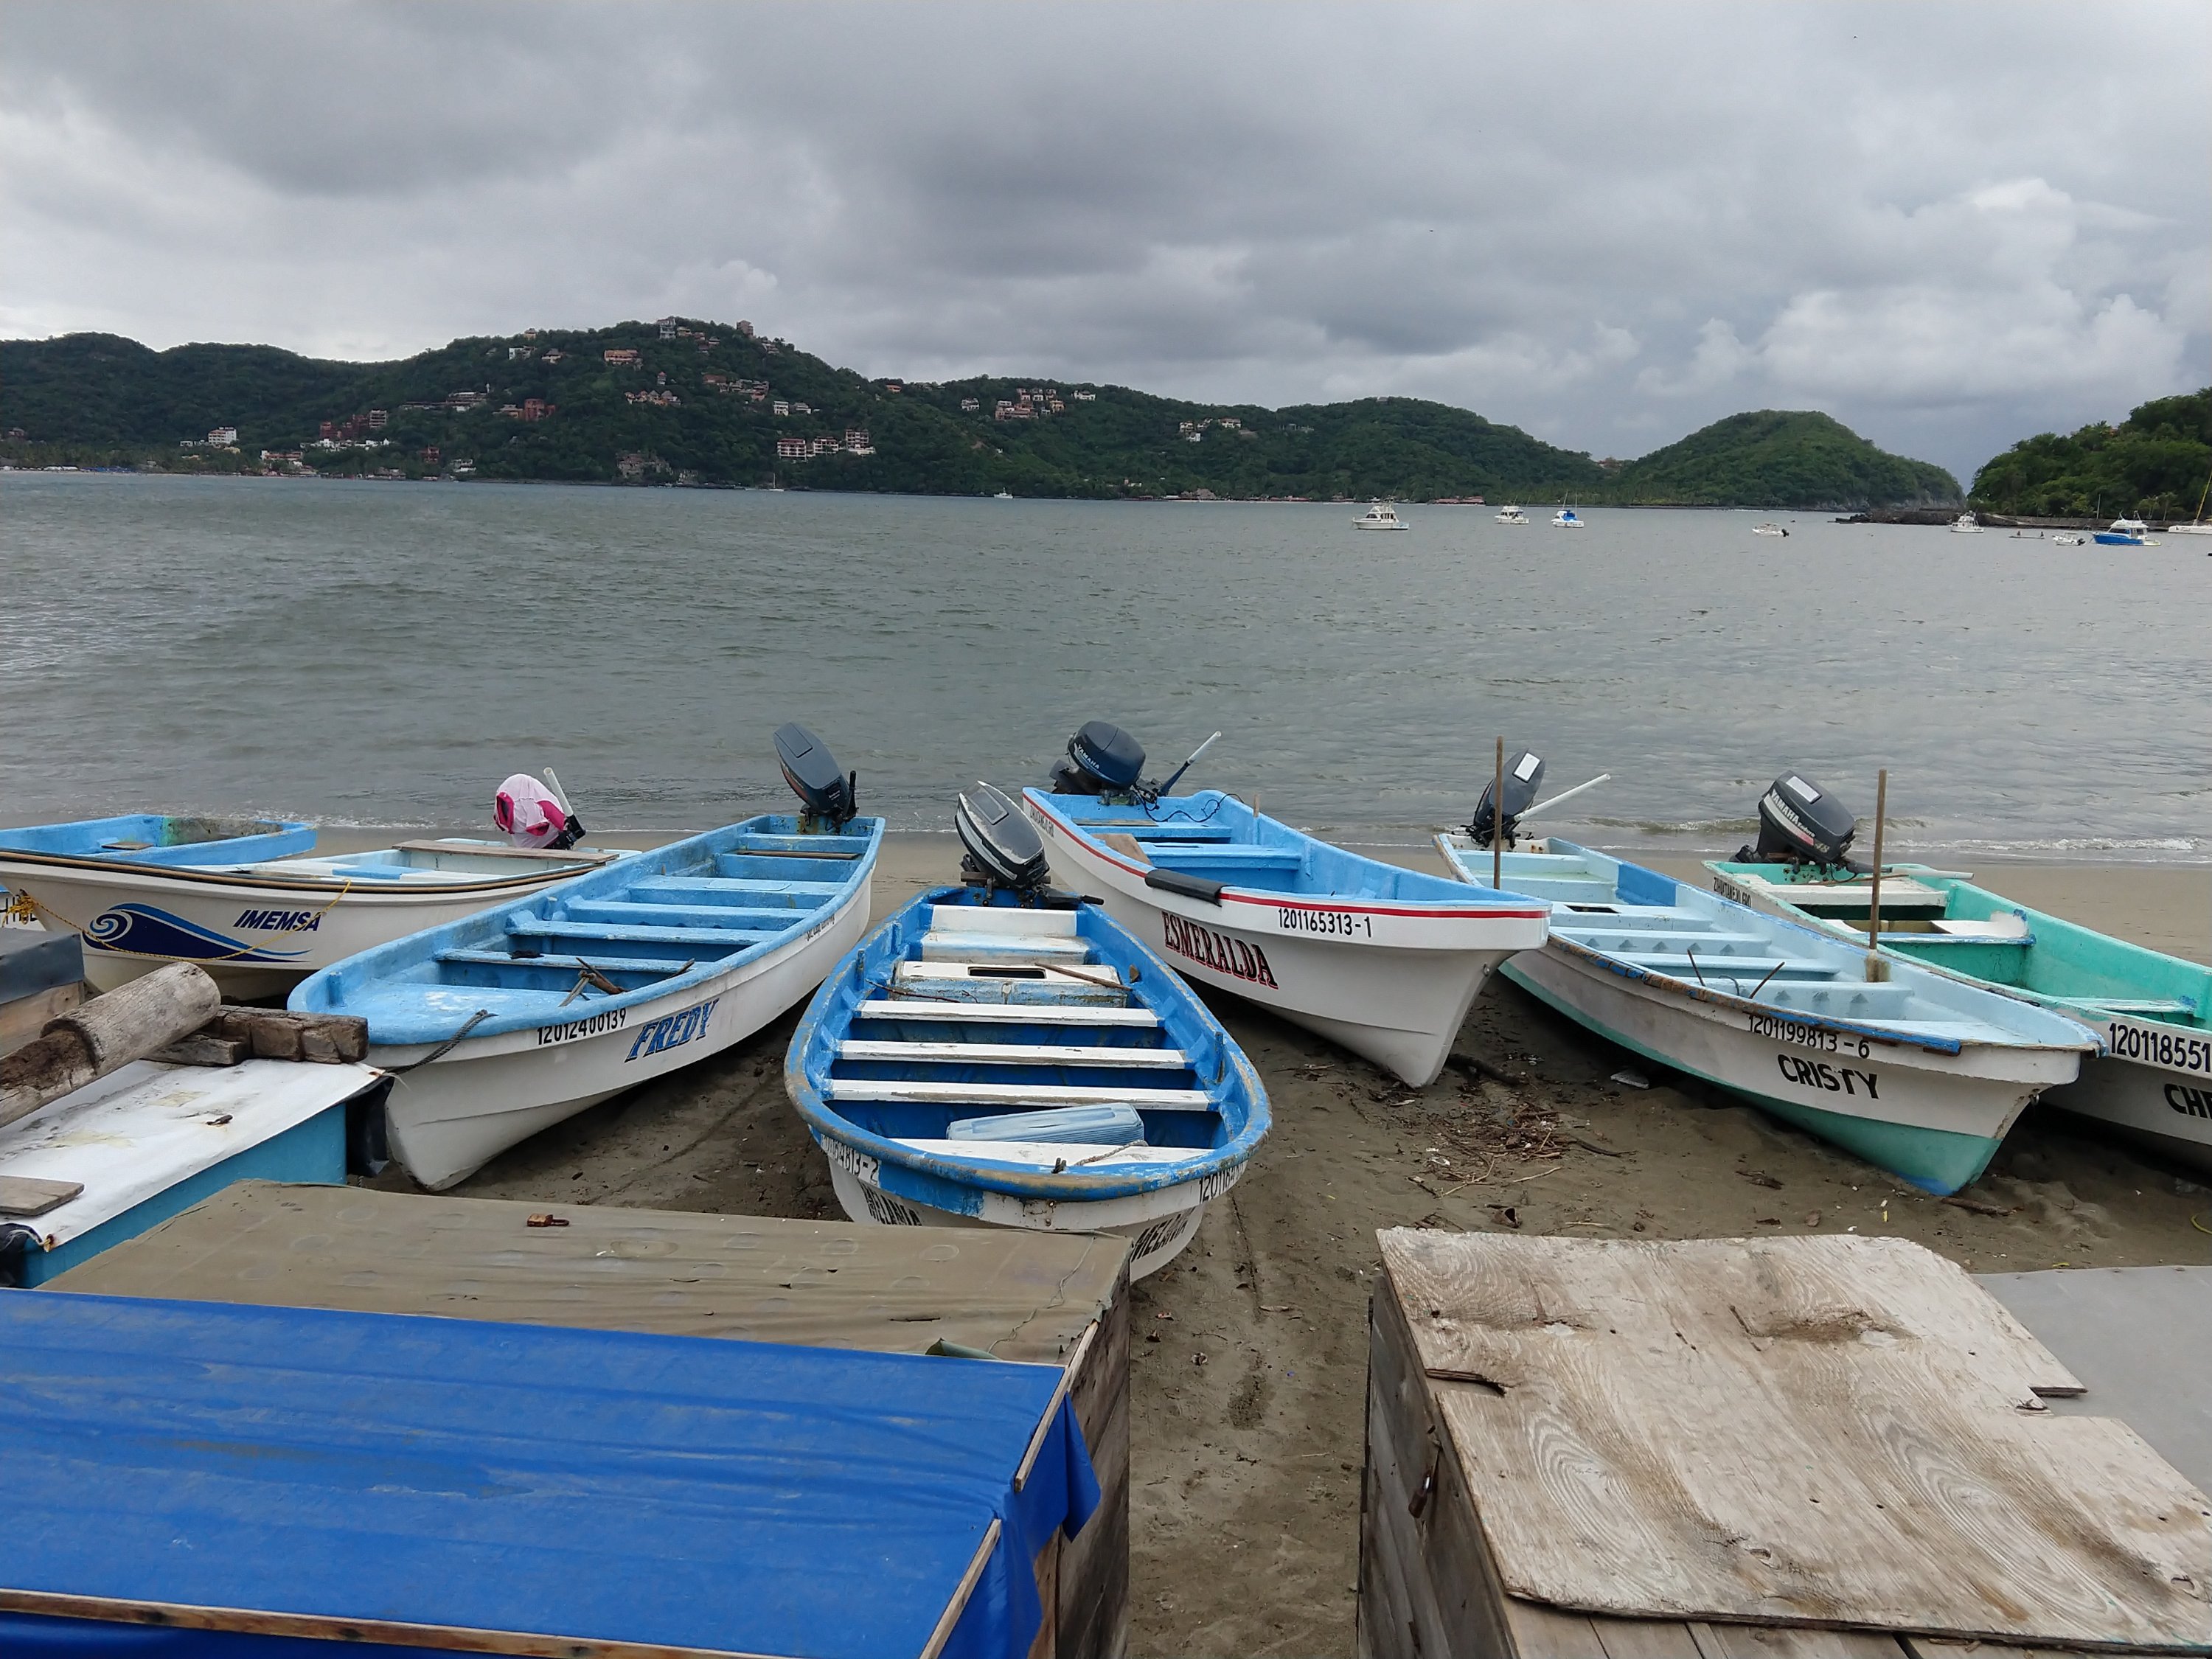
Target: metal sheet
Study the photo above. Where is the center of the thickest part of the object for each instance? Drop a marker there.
(2140, 1338)
(301, 1472)
(145, 1128)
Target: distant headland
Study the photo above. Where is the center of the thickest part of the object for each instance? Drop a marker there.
(684, 401)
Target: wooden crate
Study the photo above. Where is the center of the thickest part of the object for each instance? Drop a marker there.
(1033, 1298)
(1431, 1585)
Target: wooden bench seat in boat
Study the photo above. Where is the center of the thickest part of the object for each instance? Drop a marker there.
(1013, 1053)
(1025, 1094)
(723, 941)
(696, 892)
(908, 1009)
(1028, 985)
(1001, 948)
(624, 912)
(1678, 965)
(731, 871)
(570, 964)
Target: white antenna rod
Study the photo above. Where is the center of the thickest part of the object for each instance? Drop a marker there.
(1565, 795)
(1168, 787)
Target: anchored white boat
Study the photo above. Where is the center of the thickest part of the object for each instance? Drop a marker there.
(261, 926)
(1566, 519)
(1380, 515)
(1910, 1070)
(1383, 960)
(1511, 515)
(1009, 1059)
(1965, 525)
(511, 1021)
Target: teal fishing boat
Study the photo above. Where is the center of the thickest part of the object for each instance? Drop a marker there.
(2155, 1080)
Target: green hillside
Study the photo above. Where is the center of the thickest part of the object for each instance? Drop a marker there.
(2154, 465)
(702, 407)
(707, 403)
(1781, 459)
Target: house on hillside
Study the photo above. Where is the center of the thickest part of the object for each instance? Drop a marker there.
(222, 437)
(970, 406)
(791, 449)
(744, 328)
(856, 442)
(619, 358)
(667, 326)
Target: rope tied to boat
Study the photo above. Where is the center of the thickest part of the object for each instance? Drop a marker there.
(444, 1048)
(23, 908)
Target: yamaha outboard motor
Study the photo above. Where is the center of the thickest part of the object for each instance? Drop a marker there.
(828, 795)
(1101, 760)
(1523, 773)
(1000, 847)
(1798, 824)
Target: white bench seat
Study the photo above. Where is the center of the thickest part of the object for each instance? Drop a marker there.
(1018, 1094)
(913, 1006)
(1013, 1053)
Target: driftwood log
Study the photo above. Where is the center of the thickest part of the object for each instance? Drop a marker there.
(96, 1038)
(174, 1015)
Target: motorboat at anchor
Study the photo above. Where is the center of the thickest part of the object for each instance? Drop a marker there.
(1381, 515)
(1383, 960)
(1000, 1053)
(1565, 518)
(254, 907)
(1965, 525)
(507, 1021)
(1509, 515)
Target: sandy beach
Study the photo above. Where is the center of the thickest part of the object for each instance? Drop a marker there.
(1251, 1367)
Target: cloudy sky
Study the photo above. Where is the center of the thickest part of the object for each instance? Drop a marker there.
(1607, 223)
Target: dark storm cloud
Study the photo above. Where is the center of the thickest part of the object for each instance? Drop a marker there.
(1947, 226)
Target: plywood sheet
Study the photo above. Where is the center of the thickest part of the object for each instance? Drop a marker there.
(1018, 1296)
(1835, 1431)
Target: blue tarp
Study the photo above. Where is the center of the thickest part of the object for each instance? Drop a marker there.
(708, 1494)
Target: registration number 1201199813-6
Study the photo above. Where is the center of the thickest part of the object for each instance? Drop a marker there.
(1340, 924)
(1808, 1036)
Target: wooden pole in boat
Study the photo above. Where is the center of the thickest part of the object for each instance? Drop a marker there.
(1876, 968)
(1497, 821)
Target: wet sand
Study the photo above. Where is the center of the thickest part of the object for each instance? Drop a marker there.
(1249, 1356)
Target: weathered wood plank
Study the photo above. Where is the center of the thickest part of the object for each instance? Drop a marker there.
(200, 1049)
(1815, 1432)
(280, 1034)
(1780, 1642)
(1542, 1632)
(24, 1196)
(1644, 1638)
(88, 1041)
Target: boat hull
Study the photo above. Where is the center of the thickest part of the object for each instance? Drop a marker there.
(256, 939)
(1158, 1225)
(1936, 1119)
(2166, 1109)
(1393, 985)
(449, 1117)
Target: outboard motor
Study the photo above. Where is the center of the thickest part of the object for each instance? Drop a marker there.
(828, 796)
(1523, 773)
(1000, 847)
(1798, 824)
(1101, 760)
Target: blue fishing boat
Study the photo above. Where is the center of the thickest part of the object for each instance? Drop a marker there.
(506, 1022)
(167, 839)
(1910, 1069)
(2154, 1011)
(1384, 960)
(990, 1057)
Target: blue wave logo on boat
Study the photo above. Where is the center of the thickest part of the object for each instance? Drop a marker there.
(140, 930)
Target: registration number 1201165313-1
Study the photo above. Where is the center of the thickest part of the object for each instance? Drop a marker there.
(1335, 924)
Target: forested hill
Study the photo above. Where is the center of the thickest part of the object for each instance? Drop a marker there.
(688, 401)
(1782, 459)
(2154, 465)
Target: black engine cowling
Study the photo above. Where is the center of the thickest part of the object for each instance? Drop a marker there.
(1524, 772)
(1800, 824)
(828, 795)
(1102, 759)
(1001, 846)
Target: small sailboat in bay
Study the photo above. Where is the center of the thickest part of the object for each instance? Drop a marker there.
(1000, 1053)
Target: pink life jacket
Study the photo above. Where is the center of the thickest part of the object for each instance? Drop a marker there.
(526, 811)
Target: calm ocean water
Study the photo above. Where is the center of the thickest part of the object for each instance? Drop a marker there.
(385, 653)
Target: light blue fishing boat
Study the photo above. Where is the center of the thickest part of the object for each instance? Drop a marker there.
(1911, 1070)
(167, 839)
(508, 1021)
(994, 1057)
(2155, 1080)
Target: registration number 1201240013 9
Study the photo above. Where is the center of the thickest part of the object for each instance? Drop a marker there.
(1817, 1037)
(1331, 924)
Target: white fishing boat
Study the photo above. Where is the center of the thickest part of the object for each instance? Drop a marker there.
(1383, 960)
(1566, 519)
(1965, 525)
(512, 1020)
(1509, 515)
(1907, 1069)
(993, 1055)
(1380, 515)
(261, 926)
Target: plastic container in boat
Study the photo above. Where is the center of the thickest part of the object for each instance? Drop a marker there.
(1086, 1126)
